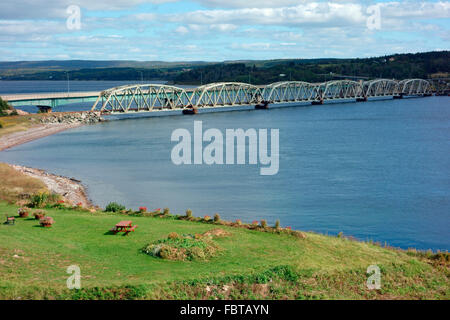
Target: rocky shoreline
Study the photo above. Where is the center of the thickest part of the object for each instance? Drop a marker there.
(70, 188)
(87, 117)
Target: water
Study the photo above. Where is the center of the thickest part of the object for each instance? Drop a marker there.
(375, 170)
(21, 87)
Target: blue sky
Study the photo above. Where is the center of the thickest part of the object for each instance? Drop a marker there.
(214, 30)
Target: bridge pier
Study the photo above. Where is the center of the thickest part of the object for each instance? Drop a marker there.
(317, 102)
(361, 99)
(399, 96)
(262, 105)
(190, 110)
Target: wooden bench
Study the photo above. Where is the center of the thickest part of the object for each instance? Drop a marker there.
(10, 220)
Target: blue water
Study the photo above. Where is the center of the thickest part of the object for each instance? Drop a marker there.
(376, 170)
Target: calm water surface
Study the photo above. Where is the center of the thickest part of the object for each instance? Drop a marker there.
(376, 170)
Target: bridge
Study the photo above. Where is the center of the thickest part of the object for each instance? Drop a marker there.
(157, 97)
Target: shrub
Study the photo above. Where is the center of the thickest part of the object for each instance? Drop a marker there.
(143, 209)
(340, 234)
(238, 222)
(263, 223)
(189, 213)
(1, 126)
(166, 211)
(46, 221)
(39, 200)
(173, 235)
(39, 214)
(182, 248)
(277, 224)
(114, 207)
(23, 212)
(216, 218)
(206, 218)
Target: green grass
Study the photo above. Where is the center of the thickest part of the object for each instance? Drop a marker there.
(112, 266)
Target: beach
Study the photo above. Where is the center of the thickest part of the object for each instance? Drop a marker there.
(35, 132)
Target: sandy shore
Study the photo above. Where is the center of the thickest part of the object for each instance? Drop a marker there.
(39, 131)
(70, 188)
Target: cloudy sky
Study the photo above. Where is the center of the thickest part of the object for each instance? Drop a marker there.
(214, 30)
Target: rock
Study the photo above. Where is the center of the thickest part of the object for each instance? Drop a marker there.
(72, 117)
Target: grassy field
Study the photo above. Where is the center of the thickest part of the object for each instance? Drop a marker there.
(16, 186)
(10, 124)
(252, 264)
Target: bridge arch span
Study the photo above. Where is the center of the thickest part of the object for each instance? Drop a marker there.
(380, 87)
(340, 89)
(226, 94)
(288, 91)
(410, 87)
(141, 97)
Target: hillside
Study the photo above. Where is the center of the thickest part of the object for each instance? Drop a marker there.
(248, 262)
(400, 66)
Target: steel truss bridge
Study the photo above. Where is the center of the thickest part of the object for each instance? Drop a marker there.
(153, 97)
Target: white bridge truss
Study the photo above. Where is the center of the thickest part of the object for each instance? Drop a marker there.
(152, 97)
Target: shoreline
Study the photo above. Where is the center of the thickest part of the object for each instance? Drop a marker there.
(70, 188)
(36, 132)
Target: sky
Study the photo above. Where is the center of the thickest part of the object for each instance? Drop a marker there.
(213, 30)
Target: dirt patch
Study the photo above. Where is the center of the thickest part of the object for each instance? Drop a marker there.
(217, 233)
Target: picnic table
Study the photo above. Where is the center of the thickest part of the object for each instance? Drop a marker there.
(124, 226)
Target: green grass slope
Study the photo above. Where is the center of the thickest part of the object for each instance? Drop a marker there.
(252, 264)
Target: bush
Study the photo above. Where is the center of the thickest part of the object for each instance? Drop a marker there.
(216, 218)
(263, 223)
(277, 224)
(39, 214)
(166, 211)
(189, 213)
(182, 248)
(23, 212)
(173, 235)
(206, 218)
(114, 207)
(1, 126)
(39, 200)
(46, 221)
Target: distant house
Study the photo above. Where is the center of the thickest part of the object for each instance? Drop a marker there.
(44, 109)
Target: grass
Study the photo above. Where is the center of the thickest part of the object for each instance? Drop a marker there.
(33, 262)
(11, 124)
(16, 186)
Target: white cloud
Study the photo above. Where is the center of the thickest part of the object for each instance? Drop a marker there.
(43, 9)
(300, 15)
